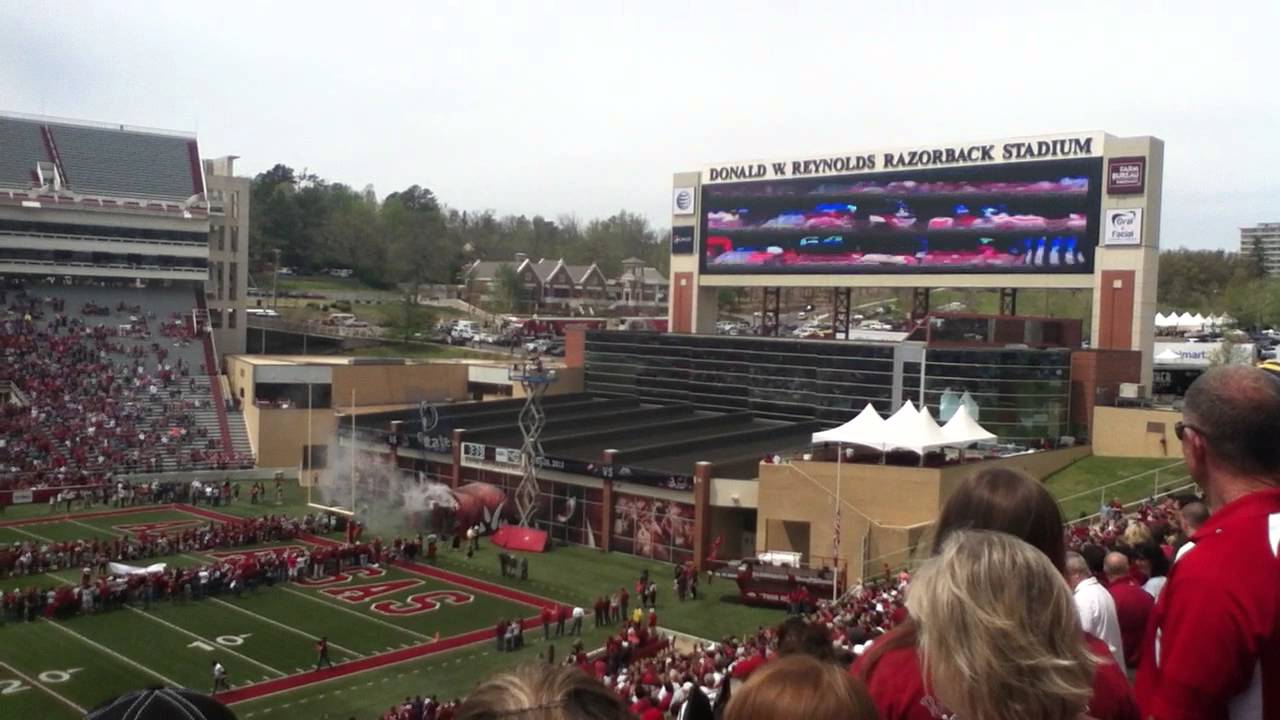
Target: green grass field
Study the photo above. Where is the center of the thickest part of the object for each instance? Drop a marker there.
(57, 669)
(1082, 486)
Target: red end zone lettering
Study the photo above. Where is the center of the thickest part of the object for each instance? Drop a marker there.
(420, 603)
(153, 527)
(342, 577)
(363, 593)
(259, 553)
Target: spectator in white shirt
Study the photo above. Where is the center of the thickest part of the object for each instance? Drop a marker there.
(1096, 607)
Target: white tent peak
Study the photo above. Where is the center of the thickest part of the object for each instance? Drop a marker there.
(855, 432)
(962, 429)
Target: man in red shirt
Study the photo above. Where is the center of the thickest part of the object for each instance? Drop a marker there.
(1213, 645)
(547, 616)
(1133, 605)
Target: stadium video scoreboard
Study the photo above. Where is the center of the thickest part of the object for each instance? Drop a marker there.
(1024, 205)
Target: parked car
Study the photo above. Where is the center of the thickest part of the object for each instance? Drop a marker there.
(537, 346)
(556, 349)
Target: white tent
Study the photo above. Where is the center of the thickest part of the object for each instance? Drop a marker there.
(855, 432)
(963, 430)
(971, 405)
(910, 429)
(1167, 321)
(1199, 320)
(1187, 322)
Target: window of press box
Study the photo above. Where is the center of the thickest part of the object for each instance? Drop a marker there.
(292, 396)
(315, 457)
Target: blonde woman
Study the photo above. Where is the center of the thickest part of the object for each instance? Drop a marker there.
(542, 692)
(800, 686)
(998, 634)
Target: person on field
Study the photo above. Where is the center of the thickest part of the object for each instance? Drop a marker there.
(219, 678)
(322, 652)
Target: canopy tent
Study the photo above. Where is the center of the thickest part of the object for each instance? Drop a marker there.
(854, 432)
(1167, 321)
(962, 429)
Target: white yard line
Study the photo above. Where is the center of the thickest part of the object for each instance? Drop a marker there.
(219, 646)
(281, 625)
(28, 533)
(33, 683)
(113, 653)
(349, 611)
(96, 530)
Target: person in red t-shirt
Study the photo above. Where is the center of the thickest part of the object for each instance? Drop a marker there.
(1133, 605)
(547, 616)
(1006, 501)
(1212, 648)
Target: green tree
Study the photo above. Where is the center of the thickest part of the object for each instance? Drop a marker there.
(410, 317)
(508, 290)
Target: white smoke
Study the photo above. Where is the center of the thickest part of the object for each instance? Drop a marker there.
(387, 499)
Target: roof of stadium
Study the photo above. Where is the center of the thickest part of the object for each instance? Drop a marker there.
(97, 159)
(664, 438)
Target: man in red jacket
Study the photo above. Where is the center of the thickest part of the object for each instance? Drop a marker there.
(1133, 605)
(1213, 645)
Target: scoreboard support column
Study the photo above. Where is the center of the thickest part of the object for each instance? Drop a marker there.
(840, 304)
(919, 303)
(771, 312)
(1008, 301)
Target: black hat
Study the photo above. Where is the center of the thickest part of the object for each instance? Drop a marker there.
(162, 704)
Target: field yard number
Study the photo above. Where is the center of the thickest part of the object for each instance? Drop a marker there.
(57, 676)
(223, 640)
(53, 677)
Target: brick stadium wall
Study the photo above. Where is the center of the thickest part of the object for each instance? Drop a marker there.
(1094, 370)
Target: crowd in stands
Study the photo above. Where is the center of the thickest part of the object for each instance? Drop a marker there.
(1013, 615)
(103, 394)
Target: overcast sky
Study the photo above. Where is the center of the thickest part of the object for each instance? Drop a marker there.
(586, 108)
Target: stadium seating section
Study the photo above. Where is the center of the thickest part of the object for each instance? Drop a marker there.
(110, 379)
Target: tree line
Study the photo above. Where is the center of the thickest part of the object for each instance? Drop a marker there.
(411, 237)
(1216, 282)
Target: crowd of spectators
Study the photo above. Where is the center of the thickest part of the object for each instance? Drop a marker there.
(105, 392)
(109, 580)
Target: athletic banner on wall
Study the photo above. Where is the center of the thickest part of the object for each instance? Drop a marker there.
(22, 497)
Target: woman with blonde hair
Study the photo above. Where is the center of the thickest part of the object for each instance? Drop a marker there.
(1006, 501)
(541, 692)
(997, 631)
(800, 686)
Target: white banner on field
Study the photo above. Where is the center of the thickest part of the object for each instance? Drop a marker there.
(122, 569)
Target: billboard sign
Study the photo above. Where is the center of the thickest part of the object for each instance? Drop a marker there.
(682, 201)
(682, 240)
(1126, 175)
(1123, 227)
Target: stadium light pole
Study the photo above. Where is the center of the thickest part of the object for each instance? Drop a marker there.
(275, 280)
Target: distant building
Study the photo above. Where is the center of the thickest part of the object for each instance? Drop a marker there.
(549, 285)
(227, 288)
(1262, 239)
(640, 286)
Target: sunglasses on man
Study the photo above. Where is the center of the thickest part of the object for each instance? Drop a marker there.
(1179, 427)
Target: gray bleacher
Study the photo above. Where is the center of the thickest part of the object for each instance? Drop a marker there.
(162, 303)
(124, 163)
(21, 147)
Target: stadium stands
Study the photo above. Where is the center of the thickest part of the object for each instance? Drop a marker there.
(115, 379)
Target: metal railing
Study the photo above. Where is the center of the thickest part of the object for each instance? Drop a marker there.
(1159, 476)
(104, 239)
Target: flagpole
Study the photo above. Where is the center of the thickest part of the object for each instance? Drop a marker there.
(353, 453)
(835, 572)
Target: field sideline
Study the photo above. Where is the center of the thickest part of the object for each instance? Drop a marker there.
(398, 630)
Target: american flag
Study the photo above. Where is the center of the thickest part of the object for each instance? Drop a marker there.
(835, 534)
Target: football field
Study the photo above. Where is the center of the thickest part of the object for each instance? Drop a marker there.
(375, 619)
